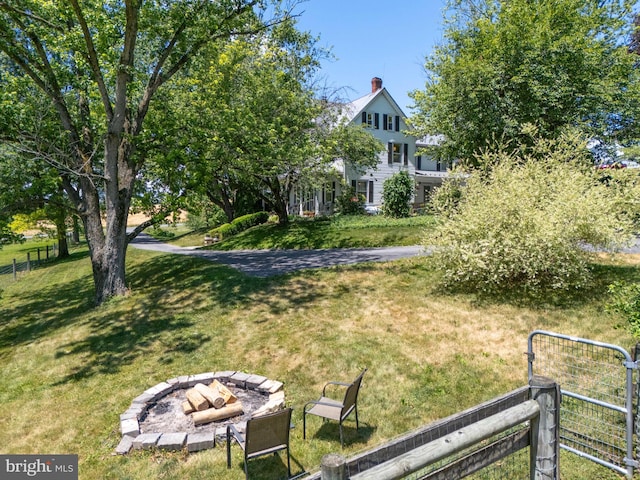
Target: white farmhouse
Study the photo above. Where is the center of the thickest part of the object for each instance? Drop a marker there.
(379, 113)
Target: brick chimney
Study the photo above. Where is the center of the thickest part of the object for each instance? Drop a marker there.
(376, 84)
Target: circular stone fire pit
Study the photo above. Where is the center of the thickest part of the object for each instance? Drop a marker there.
(156, 419)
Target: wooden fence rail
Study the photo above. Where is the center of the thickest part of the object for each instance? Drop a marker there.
(531, 410)
(40, 255)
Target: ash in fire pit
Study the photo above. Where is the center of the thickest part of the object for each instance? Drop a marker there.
(167, 414)
(157, 418)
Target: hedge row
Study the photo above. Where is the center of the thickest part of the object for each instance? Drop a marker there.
(239, 225)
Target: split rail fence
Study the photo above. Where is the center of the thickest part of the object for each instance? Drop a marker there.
(510, 437)
(32, 260)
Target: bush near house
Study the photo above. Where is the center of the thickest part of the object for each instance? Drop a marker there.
(397, 191)
(239, 224)
(523, 225)
(350, 202)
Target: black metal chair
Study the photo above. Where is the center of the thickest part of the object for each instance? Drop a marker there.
(332, 409)
(263, 435)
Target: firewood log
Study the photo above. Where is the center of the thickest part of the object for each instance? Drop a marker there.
(223, 391)
(213, 397)
(196, 399)
(187, 408)
(214, 414)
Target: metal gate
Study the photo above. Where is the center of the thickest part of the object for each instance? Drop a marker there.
(596, 381)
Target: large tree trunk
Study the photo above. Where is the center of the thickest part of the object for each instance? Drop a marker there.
(107, 250)
(108, 242)
(61, 233)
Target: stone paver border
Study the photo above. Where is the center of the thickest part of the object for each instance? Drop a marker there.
(132, 438)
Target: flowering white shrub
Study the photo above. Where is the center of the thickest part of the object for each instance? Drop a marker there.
(528, 221)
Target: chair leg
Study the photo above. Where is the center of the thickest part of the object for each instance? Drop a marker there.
(341, 441)
(246, 467)
(304, 424)
(356, 409)
(288, 463)
(228, 448)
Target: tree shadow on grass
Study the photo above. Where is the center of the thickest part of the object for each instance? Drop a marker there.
(269, 467)
(170, 292)
(116, 341)
(41, 312)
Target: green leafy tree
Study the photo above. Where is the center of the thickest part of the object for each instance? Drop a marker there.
(548, 63)
(523, 224)
(246, 121)
(251, 129)
(100, 65)
(397, 192)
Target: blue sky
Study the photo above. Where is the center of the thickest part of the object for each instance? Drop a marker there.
(369, 38)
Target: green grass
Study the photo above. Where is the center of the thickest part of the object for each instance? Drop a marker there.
(322, 232)
(68, 370)
(19, 251)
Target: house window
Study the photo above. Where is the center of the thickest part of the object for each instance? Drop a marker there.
(419, 162)
(396, 156)
(329, 192)
(371, 119)
(388, 122)
(362, 188)
(398, 153)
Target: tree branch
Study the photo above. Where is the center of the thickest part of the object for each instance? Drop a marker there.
(92, 59)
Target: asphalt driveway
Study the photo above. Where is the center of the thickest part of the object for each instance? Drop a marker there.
(265, 263)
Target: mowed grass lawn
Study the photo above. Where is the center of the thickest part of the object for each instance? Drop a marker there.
(68, 370)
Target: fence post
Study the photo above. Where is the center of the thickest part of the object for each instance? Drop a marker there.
(332, 467)
(15, 270)
(545, 432)
(38, 255)
(636, 356)
(28, 261)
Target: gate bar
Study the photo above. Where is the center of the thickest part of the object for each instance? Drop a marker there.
(629, 365)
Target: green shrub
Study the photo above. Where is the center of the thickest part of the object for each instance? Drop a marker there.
(239, 224)
(626, 301)
(626, 183)
(524, 224)
(162, 233)
(397, 191)
(445, 199)
(350, 203)
(251, 220)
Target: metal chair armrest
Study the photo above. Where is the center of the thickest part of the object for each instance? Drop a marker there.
(340, 384)
(236, 433)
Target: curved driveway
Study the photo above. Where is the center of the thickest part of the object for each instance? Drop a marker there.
(265, 263)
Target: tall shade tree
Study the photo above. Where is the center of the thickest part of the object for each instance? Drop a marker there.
(547, 63)
(33, 142)
(100, 64)
(250, 127)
